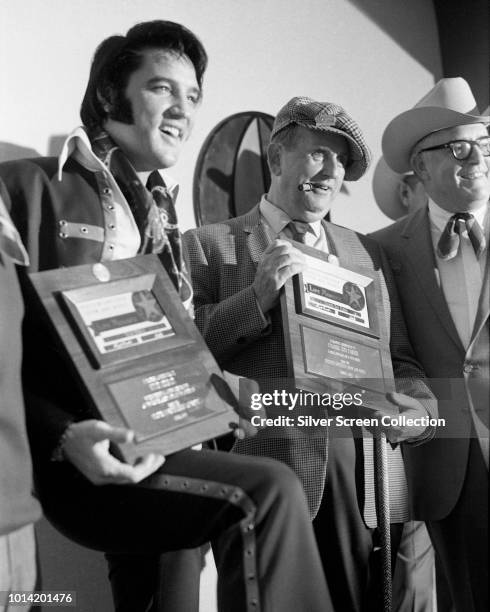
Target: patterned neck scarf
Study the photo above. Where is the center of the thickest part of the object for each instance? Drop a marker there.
(153, 211)
(448, 244)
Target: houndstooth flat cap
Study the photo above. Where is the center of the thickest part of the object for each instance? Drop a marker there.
(327, 117)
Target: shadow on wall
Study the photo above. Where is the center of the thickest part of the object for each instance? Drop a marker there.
(403, 26)
(10, 151)
(55, 144)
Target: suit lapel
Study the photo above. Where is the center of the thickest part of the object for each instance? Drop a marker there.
(483, 311)
(260, 236)
(419, 250)
(337, 244)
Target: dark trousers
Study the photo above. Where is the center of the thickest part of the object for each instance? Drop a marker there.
(253, 510)
(461, 539)
(168, 582)
(349, 550)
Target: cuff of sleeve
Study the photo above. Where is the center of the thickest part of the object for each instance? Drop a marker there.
(58, 454)
(265, 319)
(256, 323)
(427, 435)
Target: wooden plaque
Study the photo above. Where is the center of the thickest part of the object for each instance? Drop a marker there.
(332, 319)
(141, 361)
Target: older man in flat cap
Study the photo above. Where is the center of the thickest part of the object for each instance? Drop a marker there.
(440, 258)
(239, 268)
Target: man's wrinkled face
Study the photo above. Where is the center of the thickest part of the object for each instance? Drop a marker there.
(313, 157)
(164, 96)
(455, 185)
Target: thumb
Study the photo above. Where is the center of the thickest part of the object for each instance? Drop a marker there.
(395, 398)
(104, 431)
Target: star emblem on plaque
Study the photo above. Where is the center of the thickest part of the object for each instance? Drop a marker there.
(146, 306)
(353, 296)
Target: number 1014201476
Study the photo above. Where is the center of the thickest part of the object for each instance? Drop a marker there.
(45, 598)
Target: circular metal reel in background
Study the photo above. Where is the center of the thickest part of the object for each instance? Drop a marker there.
(231, 171)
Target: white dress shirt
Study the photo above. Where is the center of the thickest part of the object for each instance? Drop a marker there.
(278, 220)
(461, 277)
(461, 280)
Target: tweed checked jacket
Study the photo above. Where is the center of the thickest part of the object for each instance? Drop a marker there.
(223, 258)
(459, 375)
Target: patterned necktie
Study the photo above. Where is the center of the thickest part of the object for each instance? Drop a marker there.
(162, 231)
(448, 244)
(298, 230)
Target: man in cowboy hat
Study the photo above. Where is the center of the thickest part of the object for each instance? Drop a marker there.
(238, 269)
(439, 255)
(414, 579)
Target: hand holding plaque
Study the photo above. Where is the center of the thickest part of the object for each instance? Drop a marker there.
(87, 446)
(332, 318)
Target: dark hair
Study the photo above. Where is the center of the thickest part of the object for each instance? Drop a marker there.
(117, 57)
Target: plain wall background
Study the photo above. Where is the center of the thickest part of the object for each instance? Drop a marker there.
(374, 57)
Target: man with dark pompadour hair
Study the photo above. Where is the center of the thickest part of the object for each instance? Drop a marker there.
(108, 197)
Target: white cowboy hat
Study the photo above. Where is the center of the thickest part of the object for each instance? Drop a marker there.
(448, 104)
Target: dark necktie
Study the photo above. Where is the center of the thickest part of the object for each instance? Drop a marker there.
(165, 234)
(299, 230)
(448, 244)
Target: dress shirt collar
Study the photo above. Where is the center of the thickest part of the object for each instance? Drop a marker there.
(278, 219)
(77, 144)
(439, 217)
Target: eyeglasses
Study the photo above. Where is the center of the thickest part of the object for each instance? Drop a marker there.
(462, 149)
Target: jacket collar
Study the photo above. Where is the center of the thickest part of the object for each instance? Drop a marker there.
(417, 244)
(78, 146)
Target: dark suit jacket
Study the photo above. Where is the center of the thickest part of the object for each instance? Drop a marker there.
(437, 469)
(223, 259)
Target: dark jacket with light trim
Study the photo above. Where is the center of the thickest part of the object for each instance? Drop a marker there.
(50, 214)
(52, 217)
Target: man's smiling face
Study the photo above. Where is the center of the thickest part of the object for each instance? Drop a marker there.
(164, 95)
(455, 185)
(314, 157)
